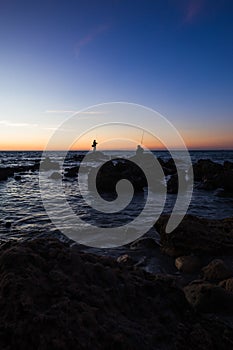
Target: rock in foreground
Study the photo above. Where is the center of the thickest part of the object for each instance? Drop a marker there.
(56, 297)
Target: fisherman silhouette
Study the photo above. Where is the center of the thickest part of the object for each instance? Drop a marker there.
(94, 145)
(139, 151)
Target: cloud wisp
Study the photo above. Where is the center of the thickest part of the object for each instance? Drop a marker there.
(18, 125)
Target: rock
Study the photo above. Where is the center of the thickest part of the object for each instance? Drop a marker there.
(196, 235)
(206, 297)
(227, 284)
(228, 165)
(228, 181)
(206, 169)
(216, 271)
(5, 173)
(188, 264)
(125, 259)
(144, 243)
(55, 176)
(8, 224)
(47, 165)
(17, 177)
(53, 296)
(72, 172)
(107, 176)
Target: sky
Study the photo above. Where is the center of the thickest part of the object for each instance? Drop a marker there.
(59, 57)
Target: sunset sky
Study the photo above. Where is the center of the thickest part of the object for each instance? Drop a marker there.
(58, 57)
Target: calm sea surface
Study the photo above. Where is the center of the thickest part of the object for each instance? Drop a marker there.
(21, 203)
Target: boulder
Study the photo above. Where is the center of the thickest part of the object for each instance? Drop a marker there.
(196, 235)
(206, 169)
(107, 176)
(216, 271)
(206, 297)
(188, 264)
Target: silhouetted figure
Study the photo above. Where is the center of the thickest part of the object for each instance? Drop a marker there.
(139, 151)
(94, 145)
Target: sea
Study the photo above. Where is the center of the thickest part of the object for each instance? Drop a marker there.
(22, 212)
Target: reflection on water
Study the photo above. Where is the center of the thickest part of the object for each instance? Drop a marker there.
(21, 202)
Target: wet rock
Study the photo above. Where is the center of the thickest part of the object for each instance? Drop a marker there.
(17, 177)
(55, 176)
(196, 235)
(5, 173)
(47, 164)
(206, 297)
(72, 172)
(216, 271)
(8, 224)
(188, 264)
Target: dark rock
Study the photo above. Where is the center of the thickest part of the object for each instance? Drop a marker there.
(8, 224)
(72, 172)
(188, 264)
(227, 284)
(206, 297)
(56, 297)
(5, 173)
(144, 243)
(228, 165)
(17, 177)
(216, 271)
(107, 176)
(206, 169)
(228, 181)
(196, 235)
(172, 184)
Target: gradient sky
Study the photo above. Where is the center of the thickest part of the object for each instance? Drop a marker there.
(174, 56)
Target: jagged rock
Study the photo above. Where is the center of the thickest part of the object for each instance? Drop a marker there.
(196, 235)
(216, 271)
(55, 297)
(188, 264)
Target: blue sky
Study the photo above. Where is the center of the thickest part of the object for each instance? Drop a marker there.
(174, 56)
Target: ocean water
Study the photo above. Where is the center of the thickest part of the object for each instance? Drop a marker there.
(21, 203)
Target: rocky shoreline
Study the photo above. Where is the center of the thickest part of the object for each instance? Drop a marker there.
(54, 295)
